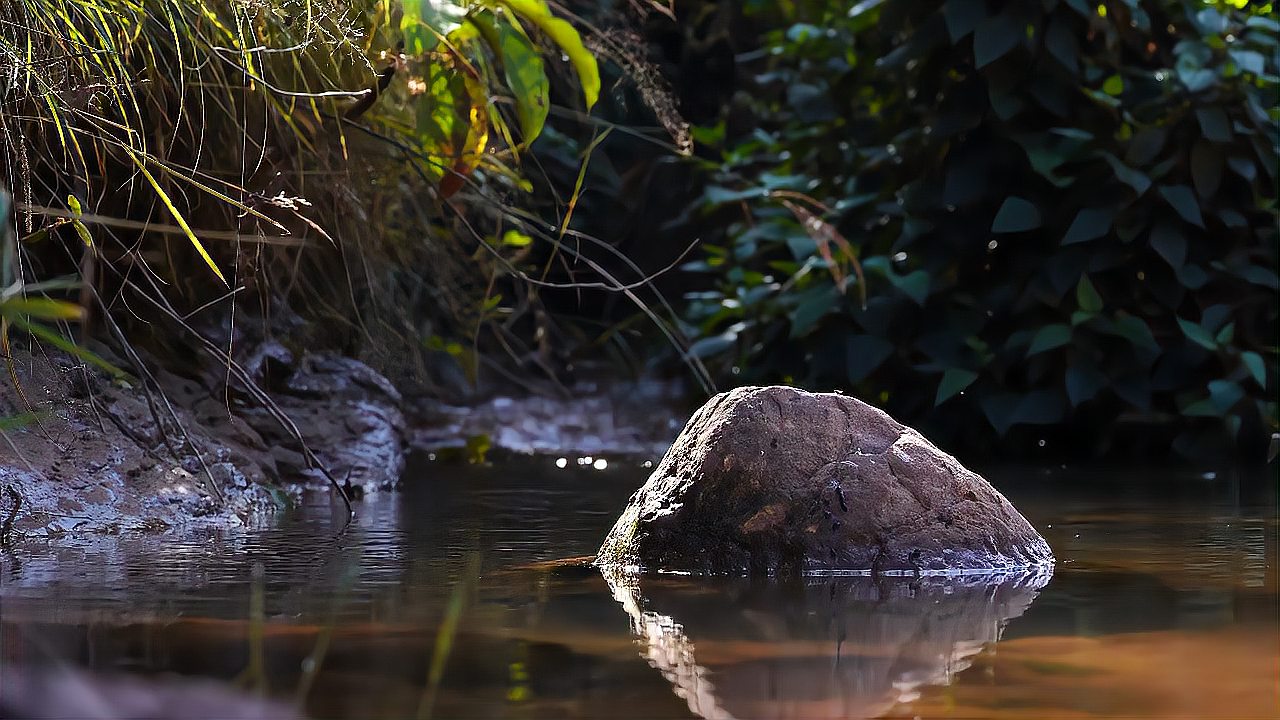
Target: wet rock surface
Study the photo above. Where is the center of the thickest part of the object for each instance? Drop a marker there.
(348, 414)
(775, 480)
(107, 456)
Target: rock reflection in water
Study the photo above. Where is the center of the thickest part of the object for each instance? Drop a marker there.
(836, 647)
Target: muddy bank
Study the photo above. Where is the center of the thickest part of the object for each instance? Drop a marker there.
(101, 455)
(213, 449)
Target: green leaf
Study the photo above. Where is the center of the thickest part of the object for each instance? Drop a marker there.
(953, 381)
(1049, 337)
(443, 115)
(861, 14)
(515, 238)
(717, 195)
(1197, 334)
(1192, 276)
(1184, 202)
(53, 338)
(865, 353)
(715, 344)
(1196, 79)
(1145, 145)
(813, 305)
(915, 285)
(1136, 331)
(1214, 124)
(1201, 408)
(1243, 167)
(1232, 218)
(567, 38)
(994, 38)
(1263, 23)
(1081, 7)
(1169, 242)
(1016, 215)
(1224, 394)
(1249, 61)
(1090, 224)
(1104, 99)
(1257, 368)
(526, 77)
(1087, 296)
(74, 204)
(1258, 275)
(1000, 411)
(1226, 334)
(1061, 43)
(1207, 165)
(83, 232)
(1134, 388)
(421, 17)
(1039, 407)
(38, 236)
(1127, 175)
(1214, 316)
(41, 309)
(962, 16)
(1084, 380)
(1113, 85)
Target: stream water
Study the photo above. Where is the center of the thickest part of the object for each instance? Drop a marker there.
(449, 600)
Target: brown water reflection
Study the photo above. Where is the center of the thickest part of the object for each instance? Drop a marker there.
(818, 648)
(1163, 604)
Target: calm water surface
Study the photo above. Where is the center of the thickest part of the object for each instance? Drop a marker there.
(448, 601)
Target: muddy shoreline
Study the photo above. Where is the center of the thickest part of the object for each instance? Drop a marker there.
(170, 453)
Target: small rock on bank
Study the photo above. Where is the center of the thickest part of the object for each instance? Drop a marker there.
(771, 480)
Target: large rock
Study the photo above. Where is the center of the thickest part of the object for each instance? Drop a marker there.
(348, 414)
(772, 480)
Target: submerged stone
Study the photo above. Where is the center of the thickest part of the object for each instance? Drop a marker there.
(772, 480)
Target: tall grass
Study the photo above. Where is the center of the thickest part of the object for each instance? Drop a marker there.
(289, 150)
(365, 163)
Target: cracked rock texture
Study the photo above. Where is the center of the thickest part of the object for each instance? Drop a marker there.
(773, 480)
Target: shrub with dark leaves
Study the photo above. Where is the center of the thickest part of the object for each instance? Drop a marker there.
(995, 216)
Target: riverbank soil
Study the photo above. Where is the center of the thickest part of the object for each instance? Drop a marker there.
(87, 452)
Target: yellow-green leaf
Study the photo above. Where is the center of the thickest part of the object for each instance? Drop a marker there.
(83, 232)
(515, 238)
(567, 38)
(177, 216)
(41, 309)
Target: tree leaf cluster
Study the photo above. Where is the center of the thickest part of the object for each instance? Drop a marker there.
(1066, 213)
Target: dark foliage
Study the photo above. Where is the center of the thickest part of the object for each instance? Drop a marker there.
(1065, 214)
